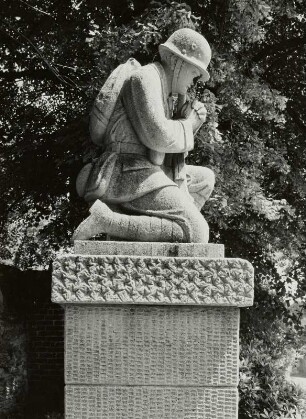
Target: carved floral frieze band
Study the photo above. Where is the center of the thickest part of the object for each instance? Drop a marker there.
(152, 280)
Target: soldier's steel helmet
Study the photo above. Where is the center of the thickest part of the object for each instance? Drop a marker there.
(192, 47)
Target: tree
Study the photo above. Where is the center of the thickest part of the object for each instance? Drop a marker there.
(56, 56)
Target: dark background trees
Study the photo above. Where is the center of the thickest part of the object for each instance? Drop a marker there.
(55, 57)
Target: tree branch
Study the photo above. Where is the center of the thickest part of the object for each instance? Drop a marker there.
(36, 8)
(44, 60)
(39, 74)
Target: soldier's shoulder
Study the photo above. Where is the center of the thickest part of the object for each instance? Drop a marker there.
(146, 74)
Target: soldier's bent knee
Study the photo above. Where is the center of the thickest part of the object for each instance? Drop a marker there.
(199, 230)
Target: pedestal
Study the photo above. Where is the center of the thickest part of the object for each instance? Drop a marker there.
(151, 329)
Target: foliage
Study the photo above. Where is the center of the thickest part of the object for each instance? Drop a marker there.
(262, 384)
(270, 340)
(56, 56)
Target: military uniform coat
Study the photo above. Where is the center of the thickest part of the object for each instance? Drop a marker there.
(139, 134)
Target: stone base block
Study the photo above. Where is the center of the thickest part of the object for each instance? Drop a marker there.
(151, 329)
(109, 402)
(147, 345)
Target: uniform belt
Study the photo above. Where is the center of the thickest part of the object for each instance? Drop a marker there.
(127, 148)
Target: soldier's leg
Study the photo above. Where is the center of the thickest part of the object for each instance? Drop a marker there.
(173, 204)
(163, 215)
(200, 182)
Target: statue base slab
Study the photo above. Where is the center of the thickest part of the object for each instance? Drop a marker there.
(151, 402)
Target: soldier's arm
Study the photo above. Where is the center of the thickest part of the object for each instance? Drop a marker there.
(142, 98)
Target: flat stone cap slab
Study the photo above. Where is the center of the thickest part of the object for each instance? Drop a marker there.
(92, 247)
(151, 280)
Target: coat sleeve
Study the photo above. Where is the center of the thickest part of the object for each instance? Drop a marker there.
(142, 99)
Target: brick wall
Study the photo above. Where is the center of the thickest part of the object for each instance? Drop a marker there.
(45, 328)
(27, 294)
(46, 356)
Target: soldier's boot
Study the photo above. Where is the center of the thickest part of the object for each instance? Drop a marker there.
(132, 227)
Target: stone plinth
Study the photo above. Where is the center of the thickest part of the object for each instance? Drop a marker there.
(151, 329)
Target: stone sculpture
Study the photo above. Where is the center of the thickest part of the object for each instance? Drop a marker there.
(140, 188)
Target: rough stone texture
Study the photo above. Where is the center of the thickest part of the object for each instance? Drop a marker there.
(97, 402)
(146, 136)
(152, 345)
(153, 280)
(90, 247)
(151, 336)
